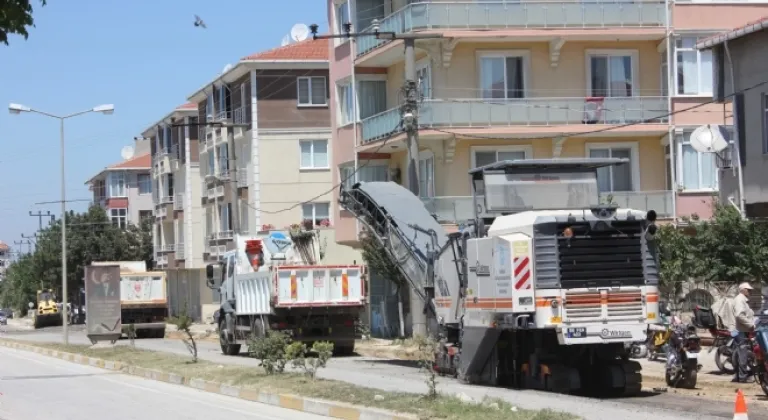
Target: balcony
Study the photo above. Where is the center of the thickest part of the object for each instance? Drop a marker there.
(178, 202)
(165, 249)
(459, 209)
(180, 251)
(499, 15)
(161, 212)
(484, 113)
(165, 199)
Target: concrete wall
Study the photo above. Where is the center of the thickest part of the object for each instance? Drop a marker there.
(136, 201)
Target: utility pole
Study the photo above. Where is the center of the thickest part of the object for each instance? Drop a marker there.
(26, 242)
(40, 216)
(410, 121)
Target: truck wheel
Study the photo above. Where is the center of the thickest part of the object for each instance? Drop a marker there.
(226, 348)
(343, 348)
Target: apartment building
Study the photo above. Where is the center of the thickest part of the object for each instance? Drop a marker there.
(124, 189)
(740, 76)
(5, 259)
(178, 232)
(512, 80)
(273, 108)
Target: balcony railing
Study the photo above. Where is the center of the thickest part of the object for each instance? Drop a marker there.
(161, 212)
(178, 202)
(222, 116)
(501, 14)
(165, 199)
(459, 209)
(466, 113)
(166, 248)
(240, 115)
(180, 251)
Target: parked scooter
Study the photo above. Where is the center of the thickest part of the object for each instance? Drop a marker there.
(659, 334)
(683, 357)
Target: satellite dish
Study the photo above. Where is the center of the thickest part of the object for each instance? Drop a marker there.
(127, 152)
(299, 32)
(710, 138)
(227, 68)
(286, 41)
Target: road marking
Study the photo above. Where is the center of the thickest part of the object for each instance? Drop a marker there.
(157, 391)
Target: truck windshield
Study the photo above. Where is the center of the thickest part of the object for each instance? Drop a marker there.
(554, 190)
(45, 296)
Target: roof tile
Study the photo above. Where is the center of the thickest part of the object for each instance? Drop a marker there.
(308, 49)
(143, 161)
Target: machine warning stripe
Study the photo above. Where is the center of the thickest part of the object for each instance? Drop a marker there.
(523, 274)
(294, 287)
(489, 303)
(521, 264)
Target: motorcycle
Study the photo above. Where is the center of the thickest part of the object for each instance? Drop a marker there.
(659, 334)
(683, 357)
(723, 342)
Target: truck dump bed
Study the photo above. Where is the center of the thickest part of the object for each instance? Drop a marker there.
(299, 287)
(143, 289)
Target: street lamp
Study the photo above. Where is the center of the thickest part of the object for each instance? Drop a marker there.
(104, 109)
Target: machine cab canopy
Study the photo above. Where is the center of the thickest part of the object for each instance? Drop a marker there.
(513, 186)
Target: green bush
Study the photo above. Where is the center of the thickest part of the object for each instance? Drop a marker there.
(297, 354)
(270, 350)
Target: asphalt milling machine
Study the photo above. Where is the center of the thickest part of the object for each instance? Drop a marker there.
(541, 290)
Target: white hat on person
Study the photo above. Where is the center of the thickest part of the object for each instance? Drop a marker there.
(745, 285)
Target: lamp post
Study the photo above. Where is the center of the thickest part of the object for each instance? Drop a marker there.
(104, 109)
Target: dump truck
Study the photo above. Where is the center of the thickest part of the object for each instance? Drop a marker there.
(143, 298)
(274, 282)
(47, 312)
(542, 289)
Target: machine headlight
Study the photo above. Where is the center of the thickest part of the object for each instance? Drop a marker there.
(568, 232)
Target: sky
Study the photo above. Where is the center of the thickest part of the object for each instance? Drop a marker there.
(144, 56)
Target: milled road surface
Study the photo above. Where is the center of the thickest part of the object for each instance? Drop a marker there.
(39, 387)
(401, 376)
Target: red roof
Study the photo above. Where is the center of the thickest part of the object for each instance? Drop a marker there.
(308, 49)
(143, 161)
(188, 105)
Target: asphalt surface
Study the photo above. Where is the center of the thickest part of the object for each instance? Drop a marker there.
(39, 387)
(403, 376)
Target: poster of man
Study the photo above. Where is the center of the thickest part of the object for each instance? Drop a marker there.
(102, 299)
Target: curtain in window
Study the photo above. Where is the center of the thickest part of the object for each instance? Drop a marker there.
(484, 158)
(705, 67)
(347, 175)
(690, 168)
(604, 173)
(322, 212)
(599, 67)
(708, 170)
(514, 73)
(306, 154)
(318, 90)
(492, 77)
(687, 73)
(211, 163)
(320, 153)
(372, 97)
(622, 174)
(378, 173)
(367, 11)
(621, 76)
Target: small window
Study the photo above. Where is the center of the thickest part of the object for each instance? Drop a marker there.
(318, 213)
(314, 154)
(312, 91)
(145, 184)
(119, 217)
(347, 103)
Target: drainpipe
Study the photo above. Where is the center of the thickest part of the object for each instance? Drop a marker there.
(671, 65)
(737, 149)
(355, 126)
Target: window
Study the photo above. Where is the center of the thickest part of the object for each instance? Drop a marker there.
(209, 107)
(618, 177)
(372, 172)
(178, 232)
(342, 17)
(317, 212)
(222, 109)
(698, 171)
(169, 182)
(665, 73)
(145, 184)
(145, 215)
(211, 163)
(312, 91)
(116, 184)
(244, 216)
(426, 174)
(223, 159)
(346, 103)
(424, 79)
(168, 139)
(611, 74)
(372, 97)
(694, 68)
(119, 217)
(314, 154)
(502, 76)
(482, 157)
(225, 223)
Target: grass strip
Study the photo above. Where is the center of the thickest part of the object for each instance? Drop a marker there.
(442, 407)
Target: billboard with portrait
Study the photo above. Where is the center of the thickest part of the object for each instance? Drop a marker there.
(102, 302)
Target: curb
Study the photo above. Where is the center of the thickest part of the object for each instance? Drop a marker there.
(320, 407)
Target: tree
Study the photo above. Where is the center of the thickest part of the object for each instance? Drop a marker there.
(91, 236)
(378, 261)
(16, 18)
(675, 249)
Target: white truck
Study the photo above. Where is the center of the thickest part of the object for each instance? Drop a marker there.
(143, 298)
(273, 282)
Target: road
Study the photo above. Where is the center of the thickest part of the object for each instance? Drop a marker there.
(401, 376)
(39, 387)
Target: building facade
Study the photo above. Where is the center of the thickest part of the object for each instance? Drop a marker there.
(5, 259)
(511, 80)
(178, 232)
(124, 189)
(740, 79)
(274, 107)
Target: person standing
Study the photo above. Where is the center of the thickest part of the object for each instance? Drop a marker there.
(745, 323)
